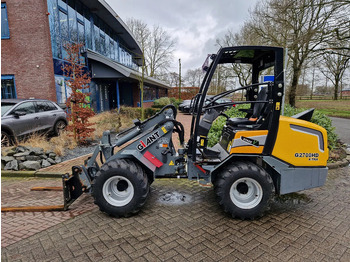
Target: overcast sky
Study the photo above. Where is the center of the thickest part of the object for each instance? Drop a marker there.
(195, 24)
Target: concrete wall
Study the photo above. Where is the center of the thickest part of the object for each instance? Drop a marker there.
(27, 54)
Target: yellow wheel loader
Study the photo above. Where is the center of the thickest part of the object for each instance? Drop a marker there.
(258, 155)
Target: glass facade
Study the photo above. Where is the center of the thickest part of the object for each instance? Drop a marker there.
(8, 88)
(72, 22)
(5, 31)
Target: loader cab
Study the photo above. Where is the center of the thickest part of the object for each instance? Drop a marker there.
(264, 100)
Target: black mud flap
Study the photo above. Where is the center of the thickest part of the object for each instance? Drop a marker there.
(72, 187)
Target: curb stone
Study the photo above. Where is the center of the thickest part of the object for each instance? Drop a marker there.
(341, 163)
(30, 174)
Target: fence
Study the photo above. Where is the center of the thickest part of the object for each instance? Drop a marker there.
(315, 97)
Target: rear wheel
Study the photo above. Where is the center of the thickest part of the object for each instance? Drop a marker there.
(120, 188)
(5, 139)
(59, 127)
(244, 190)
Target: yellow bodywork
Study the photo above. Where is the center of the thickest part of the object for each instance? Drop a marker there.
(245, 148)
(301, 143)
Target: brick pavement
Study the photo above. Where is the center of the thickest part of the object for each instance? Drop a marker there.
(16, 192)
(20, 225)
(315, 226)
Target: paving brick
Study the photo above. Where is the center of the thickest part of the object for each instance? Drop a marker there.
(305, 231)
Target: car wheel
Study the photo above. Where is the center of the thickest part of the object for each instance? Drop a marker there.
(59, 127)
(6, 139)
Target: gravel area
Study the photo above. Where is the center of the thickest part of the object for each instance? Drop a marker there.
(83, 150)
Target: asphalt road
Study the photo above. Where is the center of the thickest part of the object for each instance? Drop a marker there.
(342, 128)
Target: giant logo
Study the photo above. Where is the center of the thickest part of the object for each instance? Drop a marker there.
(149, 140)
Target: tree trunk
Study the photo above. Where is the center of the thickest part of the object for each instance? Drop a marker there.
(295, 80)
(336, 87)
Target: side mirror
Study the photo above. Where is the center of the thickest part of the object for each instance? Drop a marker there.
(19, 113)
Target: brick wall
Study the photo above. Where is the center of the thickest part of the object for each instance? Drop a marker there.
(27, 54)
(185, 94)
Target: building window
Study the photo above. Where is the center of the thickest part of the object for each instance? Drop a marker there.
(72, 16)
(162, 92)
(5, 31)
(8, 88)
(81, 33)
(149, 93)
(64, 25)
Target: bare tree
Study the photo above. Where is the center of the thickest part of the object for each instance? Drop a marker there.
(171, 78)
(157, 44)
(340, 28)
(142, 34)
(193, 77)
(335, 67)
(160, 50)
(302, 26)
(240, 71)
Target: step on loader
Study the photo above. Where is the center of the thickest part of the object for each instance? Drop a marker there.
(257, 156)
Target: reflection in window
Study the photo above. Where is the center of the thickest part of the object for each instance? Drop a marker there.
(111, 48)
(72, 24)
(88, 33)
(8, 89)
(102, 44)
(64, 25)
(27, 107)
(97, 39)
(81, 33)
(5, 31)
(149, 93)
(60, 89)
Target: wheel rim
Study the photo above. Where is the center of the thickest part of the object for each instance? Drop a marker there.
(5, 140)
(118, 191)
(60, 126)
(246, 193)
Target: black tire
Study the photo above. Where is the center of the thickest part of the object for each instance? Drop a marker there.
(59, 127)
(244, 190)
(120, 188)
(6, 139)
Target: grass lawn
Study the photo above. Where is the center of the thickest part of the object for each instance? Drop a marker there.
(338, 108)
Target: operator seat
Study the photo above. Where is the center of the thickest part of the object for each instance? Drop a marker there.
(259, 109)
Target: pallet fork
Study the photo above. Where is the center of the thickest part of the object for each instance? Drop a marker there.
(71, 187)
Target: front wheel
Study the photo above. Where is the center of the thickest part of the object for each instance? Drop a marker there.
(120, 188)
(6, 139)
(244, 190)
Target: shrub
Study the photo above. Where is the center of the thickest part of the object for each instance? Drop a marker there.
(130, 113)
(56, 144)
(161, 102)
(108, 120)
(175, 102)
(79, 101)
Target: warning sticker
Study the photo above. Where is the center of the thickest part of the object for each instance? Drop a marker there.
(171, 163)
